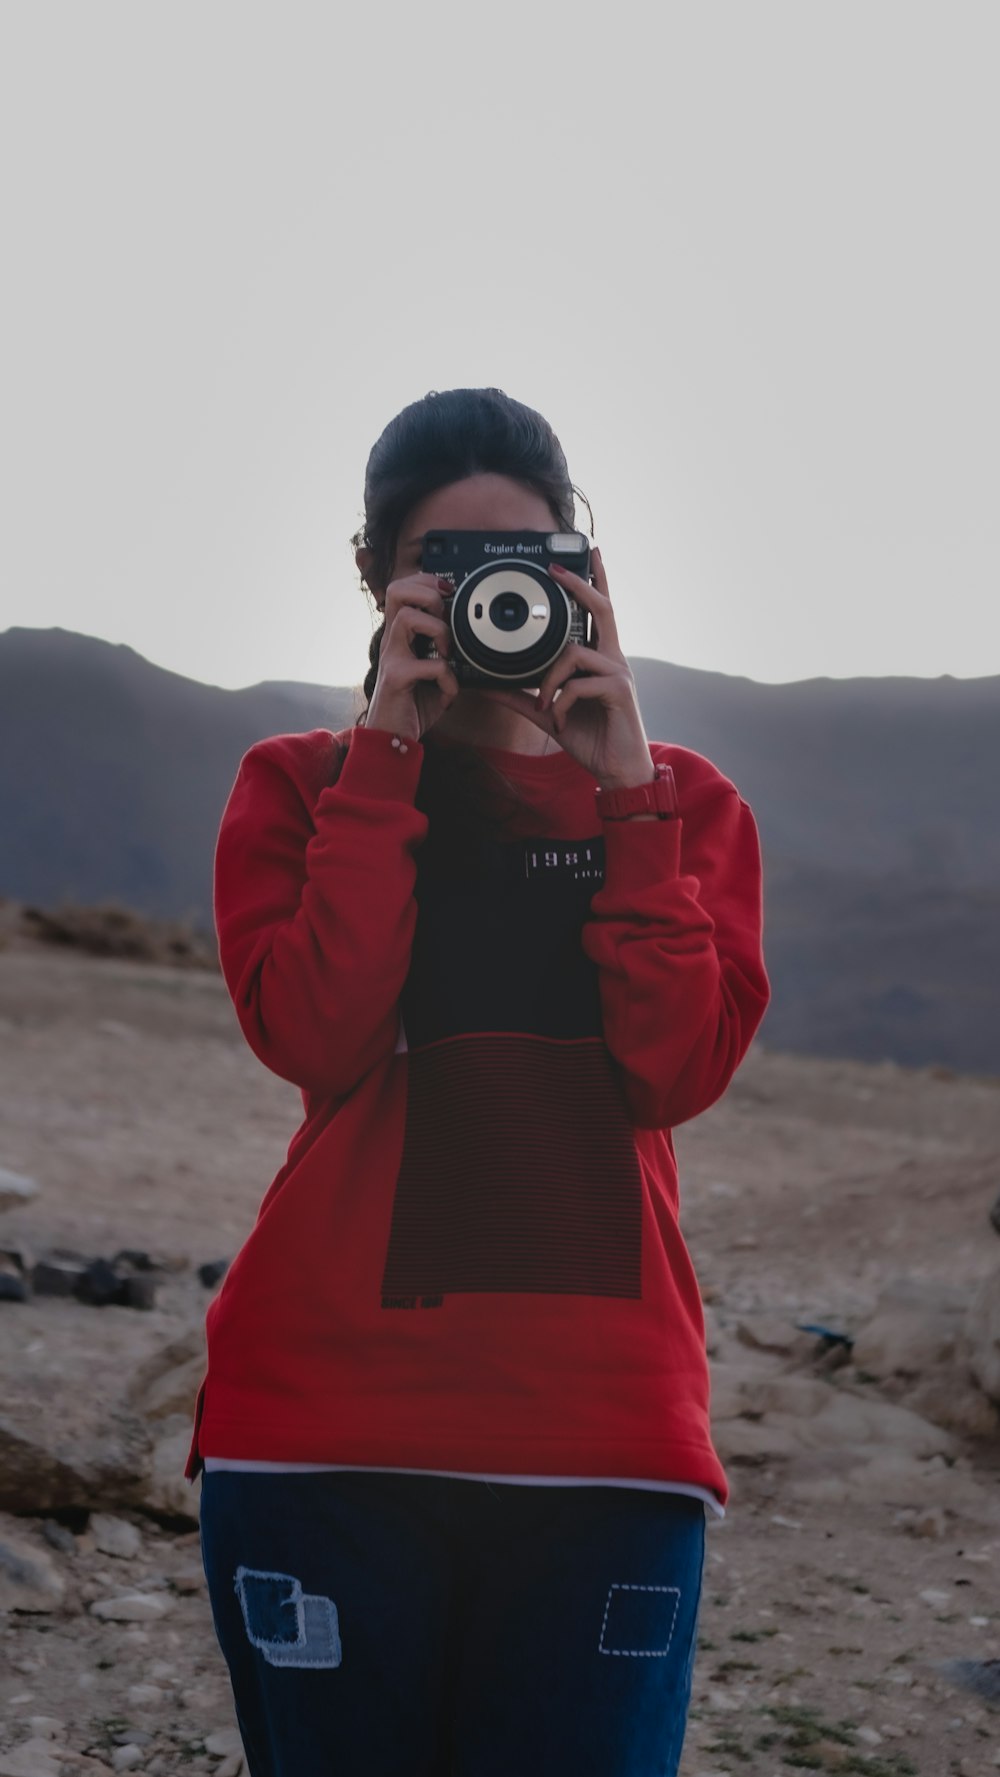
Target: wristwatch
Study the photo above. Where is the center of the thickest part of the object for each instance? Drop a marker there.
(658, 797)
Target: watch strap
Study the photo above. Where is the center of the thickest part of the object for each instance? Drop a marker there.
(658, 797)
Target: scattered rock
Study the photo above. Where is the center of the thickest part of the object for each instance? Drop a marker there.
(125, 1758)
(981, 1677)
(768, 1332)
(33, 1758)
(213, 1272)
(46, 1727)
(59, 1537)
(225, 1743)
(135, 1259)
(166, 1490)
(758, 1417)
(713, 1331)
(931, 1523)
(29, 1578)
(189, 1579)
(127, 1281)
(100, 1284)
(16, 1189)
(58, 1274)
(868, 1736)
(70, 1452)
(982, 1330)
(168, 1382)
(132, 1607)
(146, 1696)
(115, 1536)
(916, 1327)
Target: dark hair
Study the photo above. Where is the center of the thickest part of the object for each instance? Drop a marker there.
(446, 438)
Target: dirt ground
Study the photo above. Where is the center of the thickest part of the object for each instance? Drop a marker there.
(127, 1092)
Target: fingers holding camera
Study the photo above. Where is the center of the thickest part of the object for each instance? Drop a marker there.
(573, 661)
(597, 719)
(416, 592)
(594, 597)
(411, 690)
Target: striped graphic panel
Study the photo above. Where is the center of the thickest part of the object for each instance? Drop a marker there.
(519, 1172)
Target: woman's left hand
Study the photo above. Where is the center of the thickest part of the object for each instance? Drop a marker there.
(595, 717)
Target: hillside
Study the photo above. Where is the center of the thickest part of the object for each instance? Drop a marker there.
(874, 799)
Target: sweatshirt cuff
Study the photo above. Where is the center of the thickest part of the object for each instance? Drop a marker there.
(375, 768)
(638, 855)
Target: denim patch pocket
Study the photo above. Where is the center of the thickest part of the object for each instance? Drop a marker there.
(288, 1626)
(639, 1621)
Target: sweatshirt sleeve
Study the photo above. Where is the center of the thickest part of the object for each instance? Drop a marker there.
(314, 906)
(675, 931)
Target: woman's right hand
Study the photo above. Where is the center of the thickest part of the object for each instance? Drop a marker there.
(411, 693)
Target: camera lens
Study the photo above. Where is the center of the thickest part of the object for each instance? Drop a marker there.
(509, 611)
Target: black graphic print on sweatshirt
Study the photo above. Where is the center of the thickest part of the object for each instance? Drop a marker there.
(518, 1170)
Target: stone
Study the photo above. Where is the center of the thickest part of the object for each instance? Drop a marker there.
(115, 1536)
(759, 1417)
(132, 1607)
(100, 1457)
(101, 1286)
(46, 1727)
(713, 1331)
(952, 1398)
(132, 1258)
(916, 1327)
(59, 1537)
(932, 1523)
(224, 1743)
(16, 1189)
(168, 1382)
(982, 1332)
(231, 1767)
(174, 1391)
(13, 1287)
(58, 1274)
(769, 1332)
(981, 1677)
(189, 1579)
(166, 1490)
(213, 1272)
(139, 1292)
(125, 1758)
(33, 1758)
(29, 1578)
(146, 1696)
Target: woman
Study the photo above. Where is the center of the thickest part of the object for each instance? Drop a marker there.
(455, 1422)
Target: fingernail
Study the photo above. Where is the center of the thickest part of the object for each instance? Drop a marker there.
(445, 586)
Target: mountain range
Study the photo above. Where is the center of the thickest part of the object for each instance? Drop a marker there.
(876, 801)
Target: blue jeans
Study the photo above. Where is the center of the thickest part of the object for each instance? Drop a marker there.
(394, 1625)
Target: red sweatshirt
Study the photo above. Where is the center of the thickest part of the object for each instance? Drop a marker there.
(471, 1259)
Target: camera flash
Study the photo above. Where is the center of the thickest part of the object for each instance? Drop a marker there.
(567, 543)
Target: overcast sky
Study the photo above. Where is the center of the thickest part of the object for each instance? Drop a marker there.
(744, 256)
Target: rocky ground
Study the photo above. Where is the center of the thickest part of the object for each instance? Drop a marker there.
(858, 1564)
